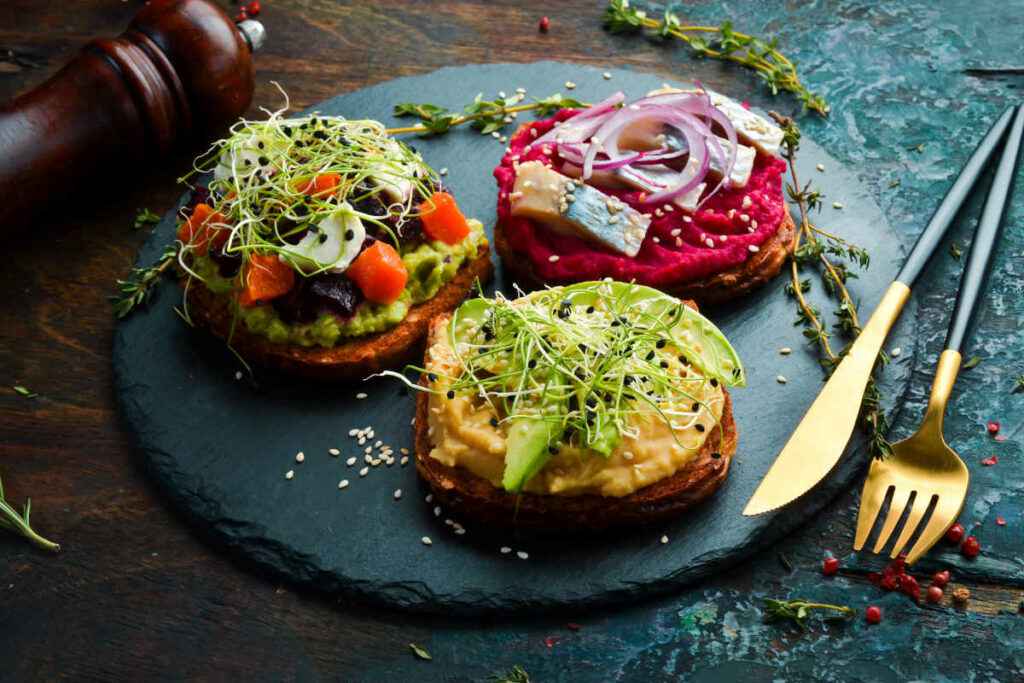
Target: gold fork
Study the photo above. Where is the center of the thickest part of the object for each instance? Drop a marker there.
(923, 469)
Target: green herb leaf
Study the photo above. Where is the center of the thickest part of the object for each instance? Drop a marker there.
(1018, 384)
(23, 391)
(955, 251)
(797, 611)
(136, 290)
(516, 674)
(420, 652)
(972, 362)
(143, 218)
(17, 523)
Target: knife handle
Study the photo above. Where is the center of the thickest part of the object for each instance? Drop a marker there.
(954, 199)
(983, 247)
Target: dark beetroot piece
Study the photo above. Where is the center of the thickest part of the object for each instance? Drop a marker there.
(312, 297)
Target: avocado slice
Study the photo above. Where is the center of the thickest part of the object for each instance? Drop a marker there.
(526, 450)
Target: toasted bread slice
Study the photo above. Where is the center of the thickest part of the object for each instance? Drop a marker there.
(728, 284)
(354, 359)
(477, 502)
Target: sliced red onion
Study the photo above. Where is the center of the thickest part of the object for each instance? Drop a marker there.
(583, 125)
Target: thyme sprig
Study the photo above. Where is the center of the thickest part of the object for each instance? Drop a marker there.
(143, 218)
(830, 255)
(516, 674)
(719, 42)
(136, 290)
(798, 610)
(486, 116)
(20, 523)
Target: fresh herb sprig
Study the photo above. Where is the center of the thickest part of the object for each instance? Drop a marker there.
(828, 255)
(719, 42)
(1018, 384)
(143, 218)
(797, 611)
(516, 674)
(486, 116)
(136, 290)
(20, 523)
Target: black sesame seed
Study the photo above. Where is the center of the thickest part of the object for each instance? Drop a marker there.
(699, 427)
(494, 422)
(626, 381)
(248, 162)
(263, 161)
(532, 364)
(260, 144)
(451, 395)
(714, 382)
(716, 455)
(696, 407)
(323, 238)
(664, 365)
(682, 359)
(432, 377)
(650, 356)
(590, 309)
(553, 450)
(661, 343)
(350, 235)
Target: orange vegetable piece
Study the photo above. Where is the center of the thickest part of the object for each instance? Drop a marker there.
(321, 185)
(199, 230)
(442, 220)
(379, 273)
(266, 278)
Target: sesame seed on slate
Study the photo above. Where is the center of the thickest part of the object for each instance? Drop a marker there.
(361, 395)
(664, 540)
(289, 474)
(426, 541)
(300, 456)
(363, 472)
(343, 484)
(522, 555)
(780, 379)
(505, 550)
(398, 494)
(334, 451)
(351, 461)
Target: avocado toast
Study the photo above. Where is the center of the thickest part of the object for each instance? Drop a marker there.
(322, 247)
(595, 405)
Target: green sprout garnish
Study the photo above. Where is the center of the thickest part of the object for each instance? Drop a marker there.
(587, 359)
(263, 170)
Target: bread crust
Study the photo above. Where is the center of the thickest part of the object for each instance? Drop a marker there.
(477, 502)
(723, 286)
(352, 360)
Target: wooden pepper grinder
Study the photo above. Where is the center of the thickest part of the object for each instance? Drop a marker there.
(182, 69)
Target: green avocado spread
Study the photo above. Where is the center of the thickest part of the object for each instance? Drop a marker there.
(431, 265)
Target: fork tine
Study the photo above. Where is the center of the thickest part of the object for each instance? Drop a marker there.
(917, 513)
(947, 509)
(896, 507)
(871, 499)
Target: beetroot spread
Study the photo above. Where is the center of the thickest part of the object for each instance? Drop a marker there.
(678, 248)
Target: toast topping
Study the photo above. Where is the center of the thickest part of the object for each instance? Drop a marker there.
(600, 387)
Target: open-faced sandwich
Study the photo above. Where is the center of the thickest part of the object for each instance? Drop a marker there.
(323, 247)
(583, 407)
(680, 190)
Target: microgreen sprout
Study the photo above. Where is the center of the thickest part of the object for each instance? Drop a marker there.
(593, 359)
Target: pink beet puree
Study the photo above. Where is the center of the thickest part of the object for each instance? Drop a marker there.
(664, 259)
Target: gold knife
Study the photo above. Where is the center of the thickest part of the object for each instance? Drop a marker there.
(821, 437)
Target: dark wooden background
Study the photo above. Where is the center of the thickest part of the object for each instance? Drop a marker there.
(135, 593)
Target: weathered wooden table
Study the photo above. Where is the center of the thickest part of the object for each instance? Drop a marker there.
(136, 594)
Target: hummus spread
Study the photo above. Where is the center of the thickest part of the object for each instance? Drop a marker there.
(469, 434)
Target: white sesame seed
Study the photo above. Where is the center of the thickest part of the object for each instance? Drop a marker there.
(754, 248)
(429, 498)
(404, 461)
(368, 450)
(501, 94)
(896, 352)
(785, 351)
(745, 218)
(361, 395)
(521, 91)
(780, 379)
(403, 451)
(664, 540)
(351, 461)
(553, 258)
(821, 167)
(522, 555)
(300, 456)
(607, 76)
(459, 531)
(569, 85)
(503, 139)
(289, 474)
(837, 205)
(343, 484)
(238, 375)
(687, 219)
(363, 472)
(426, 541)
(449, 522)
(753, 225)
(747, 202)
(656, 239)
(444, 171)
(398, 494)
(437, 510)
(505, 550)
(353, 432)
(334, 451)
(710, 242)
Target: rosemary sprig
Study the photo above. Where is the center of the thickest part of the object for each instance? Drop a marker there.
(143, 218)
(486, 116)
(828, 254)
(17, 523)
(719, 42)
(138, 287)
(24, 391)
(798, 610)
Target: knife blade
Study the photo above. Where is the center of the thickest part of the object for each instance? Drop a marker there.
(821, 437)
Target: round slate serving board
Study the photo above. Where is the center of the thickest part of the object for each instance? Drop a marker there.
(219, 447)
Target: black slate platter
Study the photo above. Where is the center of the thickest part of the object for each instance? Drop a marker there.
(219, 447)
